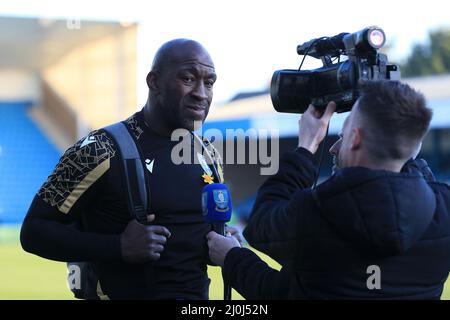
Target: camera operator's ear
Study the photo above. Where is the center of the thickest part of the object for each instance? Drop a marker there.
(417, 150)
(355, 139)
(152, 81)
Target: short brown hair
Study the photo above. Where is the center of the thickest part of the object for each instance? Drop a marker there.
(395, 118)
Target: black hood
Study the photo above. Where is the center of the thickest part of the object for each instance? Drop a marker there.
(381, 211)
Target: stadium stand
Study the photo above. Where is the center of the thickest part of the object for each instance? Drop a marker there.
(27, 157)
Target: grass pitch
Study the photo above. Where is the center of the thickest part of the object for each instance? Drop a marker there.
(24, 276)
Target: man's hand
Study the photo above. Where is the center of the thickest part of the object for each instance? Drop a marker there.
(313, 126)
(232, 231)
(219, 246)
(140, 243)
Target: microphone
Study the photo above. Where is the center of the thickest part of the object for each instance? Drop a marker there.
(216, 206)
(216, 209)
(323, 46)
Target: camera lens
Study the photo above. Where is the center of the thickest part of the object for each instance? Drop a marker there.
(376, 38)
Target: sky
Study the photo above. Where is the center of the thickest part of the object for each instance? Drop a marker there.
(247, 39)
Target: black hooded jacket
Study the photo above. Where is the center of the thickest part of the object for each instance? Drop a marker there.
(357, 226)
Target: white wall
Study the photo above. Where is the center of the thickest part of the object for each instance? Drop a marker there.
(19, 85)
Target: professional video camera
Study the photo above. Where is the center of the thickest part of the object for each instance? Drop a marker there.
(293, 90)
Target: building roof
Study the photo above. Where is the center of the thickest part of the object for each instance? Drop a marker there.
(32, 43)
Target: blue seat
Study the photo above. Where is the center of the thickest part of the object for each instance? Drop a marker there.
(27, 157)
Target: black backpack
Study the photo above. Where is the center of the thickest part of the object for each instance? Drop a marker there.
(82, 278)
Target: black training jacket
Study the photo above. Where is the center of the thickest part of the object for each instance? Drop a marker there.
(362, 234)
(87, 188)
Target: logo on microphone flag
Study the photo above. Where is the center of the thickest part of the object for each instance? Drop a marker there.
(221, 200)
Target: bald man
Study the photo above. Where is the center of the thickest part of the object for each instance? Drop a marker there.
(166, 259)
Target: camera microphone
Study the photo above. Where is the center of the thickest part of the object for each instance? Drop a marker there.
(318, 47)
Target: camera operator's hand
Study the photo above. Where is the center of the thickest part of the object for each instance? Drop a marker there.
(140, 243)
(219, 246)
(313, 126)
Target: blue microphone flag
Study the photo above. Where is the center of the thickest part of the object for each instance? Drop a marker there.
(216, 203)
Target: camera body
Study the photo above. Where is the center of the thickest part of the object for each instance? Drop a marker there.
(292, 91)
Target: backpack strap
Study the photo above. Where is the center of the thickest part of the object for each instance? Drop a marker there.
(133, 171)
(133, 175)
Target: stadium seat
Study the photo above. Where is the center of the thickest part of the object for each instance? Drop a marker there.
(27, 157)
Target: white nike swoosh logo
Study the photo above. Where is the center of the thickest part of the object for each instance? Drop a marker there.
(87, 141)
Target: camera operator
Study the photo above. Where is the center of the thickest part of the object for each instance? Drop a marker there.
(378, 228)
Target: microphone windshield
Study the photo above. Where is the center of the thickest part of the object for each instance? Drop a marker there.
(216, 203)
